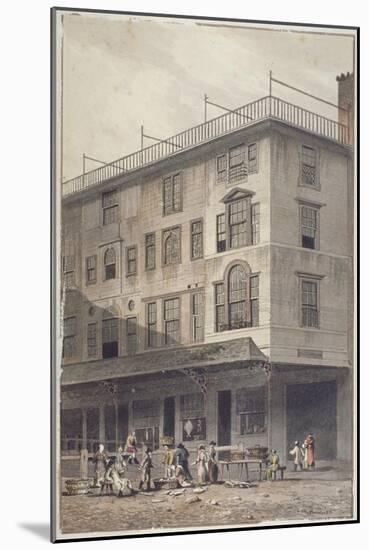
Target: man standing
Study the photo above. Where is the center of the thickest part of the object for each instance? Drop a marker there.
(182, 455)
(131, 447)
(145, 468)
(297, 452)
(168, 461)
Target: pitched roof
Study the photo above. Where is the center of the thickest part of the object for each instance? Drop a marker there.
(199, 356)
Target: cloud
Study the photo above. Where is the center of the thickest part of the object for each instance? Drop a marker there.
(121, 72)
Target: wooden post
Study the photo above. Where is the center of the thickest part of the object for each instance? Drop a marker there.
(83, 464)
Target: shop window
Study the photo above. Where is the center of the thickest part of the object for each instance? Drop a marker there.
(251, 407)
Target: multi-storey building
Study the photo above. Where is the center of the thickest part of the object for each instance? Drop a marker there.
(208, 286)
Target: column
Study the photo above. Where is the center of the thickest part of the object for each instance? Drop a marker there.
(344, 415)
(84, 428)
(116, 425)
(102, 423)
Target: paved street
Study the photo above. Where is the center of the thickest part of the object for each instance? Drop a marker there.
(321, 495)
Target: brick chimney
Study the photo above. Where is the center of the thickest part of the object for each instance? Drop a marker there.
(346, 87)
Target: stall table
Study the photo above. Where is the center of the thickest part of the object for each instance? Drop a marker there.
(241, 464)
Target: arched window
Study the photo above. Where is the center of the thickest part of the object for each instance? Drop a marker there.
(172, 246)
(110, 264)
(237, 296)
(237, 299)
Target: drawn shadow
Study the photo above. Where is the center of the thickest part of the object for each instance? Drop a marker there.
(42, 530)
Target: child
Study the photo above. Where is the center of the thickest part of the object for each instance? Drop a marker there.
(298, 453)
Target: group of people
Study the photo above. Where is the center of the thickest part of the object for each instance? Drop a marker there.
(176, 464)
(304, 455)
(110, 471)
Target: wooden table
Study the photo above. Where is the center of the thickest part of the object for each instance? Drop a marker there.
(240, 465)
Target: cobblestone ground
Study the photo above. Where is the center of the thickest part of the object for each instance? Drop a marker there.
(294, 499)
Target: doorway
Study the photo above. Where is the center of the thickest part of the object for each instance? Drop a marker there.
(224, 420)
(169, 417)
(122, 424)
(313, 407)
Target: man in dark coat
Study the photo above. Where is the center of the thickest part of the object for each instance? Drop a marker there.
(145, 468)
(182, 455)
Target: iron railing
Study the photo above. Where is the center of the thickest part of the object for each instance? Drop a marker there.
(266, 107)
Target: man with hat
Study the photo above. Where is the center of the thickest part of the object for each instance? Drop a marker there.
(298, 453)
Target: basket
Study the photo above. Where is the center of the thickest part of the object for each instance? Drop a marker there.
(237, 455)
(165, 483)
(257, 452)
(167, 440)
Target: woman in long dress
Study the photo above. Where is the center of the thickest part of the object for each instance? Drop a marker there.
(202, 465)
(101, 461)
(212, 463)
(309, 444)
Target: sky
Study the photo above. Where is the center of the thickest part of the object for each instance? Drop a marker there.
(121, 72)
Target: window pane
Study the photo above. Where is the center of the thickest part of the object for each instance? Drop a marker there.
(171, 309)
(308, 168)
(110, 272)
(252, 157)
(255, 223)
(196, 240)
(131, 334)
(91, 340)
(197, 316)
(237, 297)
(237, 284)
(221, 233)
(236, 156)
(220, 318)
(171, 318)
(310, 316)
(221, 167)
(176, 193)
(237, 165)
(70, 324)
(171, 241)
(219, 293)
(68, 263)
(110, 215)
(237, 223)
(308, 156)
(131, 260)
(109, 257)
(110, 198)
(151, 324)
(168, 196)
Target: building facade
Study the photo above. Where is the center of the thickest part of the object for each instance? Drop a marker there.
(207, 287)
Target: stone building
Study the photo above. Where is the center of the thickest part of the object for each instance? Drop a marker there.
(208, 285)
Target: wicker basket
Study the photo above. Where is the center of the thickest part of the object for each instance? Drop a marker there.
(165, 483)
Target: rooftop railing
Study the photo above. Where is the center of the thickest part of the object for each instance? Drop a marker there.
(266, 107)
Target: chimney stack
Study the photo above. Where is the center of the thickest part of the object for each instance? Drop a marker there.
(346, 101)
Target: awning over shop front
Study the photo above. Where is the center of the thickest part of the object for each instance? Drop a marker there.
(240, 351)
